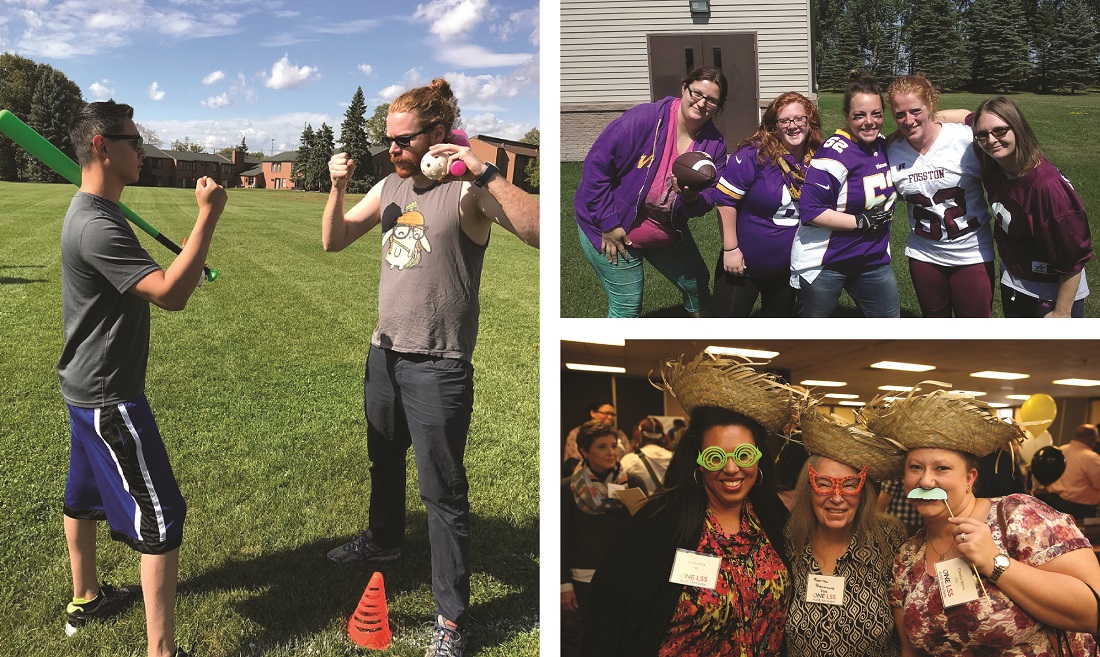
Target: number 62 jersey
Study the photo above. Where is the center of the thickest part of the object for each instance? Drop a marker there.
(850, 177)
(948, 217)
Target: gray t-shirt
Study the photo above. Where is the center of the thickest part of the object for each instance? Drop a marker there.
(431, 272)
(106, 329)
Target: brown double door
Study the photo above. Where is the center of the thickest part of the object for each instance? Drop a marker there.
(671, 56)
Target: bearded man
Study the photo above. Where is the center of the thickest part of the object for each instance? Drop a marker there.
(418, 387)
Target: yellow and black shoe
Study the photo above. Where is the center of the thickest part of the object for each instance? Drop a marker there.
(110, 602)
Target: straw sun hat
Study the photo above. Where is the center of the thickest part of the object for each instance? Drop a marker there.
(852, 445)
(941, 420)
(731, 383)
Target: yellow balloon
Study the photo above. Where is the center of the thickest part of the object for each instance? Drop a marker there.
(1040, 409)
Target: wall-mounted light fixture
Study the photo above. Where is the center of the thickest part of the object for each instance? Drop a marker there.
(699, 7)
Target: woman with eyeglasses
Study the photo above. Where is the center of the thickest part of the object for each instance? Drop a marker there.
(718, 531)
(840, 548)
(843, 242)
(937, 171)
(629, 207)
(1041, 229)
(758, 210)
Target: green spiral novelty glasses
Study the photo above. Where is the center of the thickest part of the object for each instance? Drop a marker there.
(714, 458)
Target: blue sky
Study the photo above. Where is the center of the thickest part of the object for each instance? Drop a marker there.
(262, 69)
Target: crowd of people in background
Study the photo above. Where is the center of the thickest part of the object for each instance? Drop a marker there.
(803, 217)
(797, 533)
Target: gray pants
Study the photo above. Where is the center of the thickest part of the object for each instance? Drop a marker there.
(426, 402)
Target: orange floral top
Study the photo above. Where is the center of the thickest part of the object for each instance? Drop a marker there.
(745, 613)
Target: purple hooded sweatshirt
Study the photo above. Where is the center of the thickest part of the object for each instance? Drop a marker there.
(619, 169)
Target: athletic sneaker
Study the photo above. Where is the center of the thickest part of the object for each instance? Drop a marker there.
(447, 640)
(363, 548)
(109, 602)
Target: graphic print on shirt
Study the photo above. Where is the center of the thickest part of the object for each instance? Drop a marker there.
(407, 240)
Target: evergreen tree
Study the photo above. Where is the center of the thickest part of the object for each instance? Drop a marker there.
(323, 146)
(242, 147)
(532, 169)
(18, 79)
(936, 46)
(841, 53)
(353, 134)
(55, 102)
(1073, 47)
(376, 124)
(998, 46)
(880, 24)
(1042, 35)
(302, 159)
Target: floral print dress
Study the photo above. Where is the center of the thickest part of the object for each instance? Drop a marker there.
(745, 613)
(993, 624)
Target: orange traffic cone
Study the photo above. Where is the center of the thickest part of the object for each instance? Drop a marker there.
(369, 626)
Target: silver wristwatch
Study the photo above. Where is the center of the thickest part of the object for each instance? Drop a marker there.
(1000, 565)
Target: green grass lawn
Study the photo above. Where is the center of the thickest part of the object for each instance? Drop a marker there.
(1068, 132)
(257, 387)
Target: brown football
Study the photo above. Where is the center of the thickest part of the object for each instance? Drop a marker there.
(694, 170)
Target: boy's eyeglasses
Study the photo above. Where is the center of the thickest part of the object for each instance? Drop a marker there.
(404, 141)
(137, 140)
(714, 458)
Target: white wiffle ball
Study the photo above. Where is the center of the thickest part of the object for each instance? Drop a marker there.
(434, 166)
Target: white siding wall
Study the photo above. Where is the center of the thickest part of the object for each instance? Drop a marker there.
(603, 44)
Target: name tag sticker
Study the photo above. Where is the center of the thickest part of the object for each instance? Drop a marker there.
(694, 569)
(957, 584)
(825, 590)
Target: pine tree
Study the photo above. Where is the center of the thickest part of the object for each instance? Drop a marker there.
(841, 53)
(242, 147)
(936, 46)
(1073, 47)
(323, 145)
(18, 78)
(532, 168)
(302, 159)
(998, 46)
(353, 135)
(55, 102)
(1042, 34)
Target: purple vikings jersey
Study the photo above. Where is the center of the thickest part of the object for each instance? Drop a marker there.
(767, 216)
(849, 177)
(1041, 228)
(948, 220)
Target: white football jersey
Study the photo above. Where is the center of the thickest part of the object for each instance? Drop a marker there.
(945, 201)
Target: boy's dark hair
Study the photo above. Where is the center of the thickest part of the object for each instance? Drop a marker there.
(104, 118)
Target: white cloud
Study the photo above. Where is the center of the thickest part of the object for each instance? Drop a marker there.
(452, 18)
(285, 129)
(284, 39)
(213, 77)
(106, 20)
(482, 91)
(527, 19)
(488, 124)
(287, 13)
(100, 91)
(214, 102)
(155, 92)
(346, 27)
(391, 92)
(473, 56)
(285, 75)
(367, 69)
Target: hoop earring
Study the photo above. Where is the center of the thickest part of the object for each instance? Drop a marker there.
(696, 477)
(759, 475)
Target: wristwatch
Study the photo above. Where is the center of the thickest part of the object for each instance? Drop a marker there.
(483, 179)
(1000, 565)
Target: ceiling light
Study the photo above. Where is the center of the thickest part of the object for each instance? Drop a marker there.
(852, 403)
(971, 393)
(595, 368)
(896, 388)
(1006, 376)
(1085, 383)
(822, 384)
(1020, 397)
(736, 351)
(841, 395)
(905, 367)
(996, 405)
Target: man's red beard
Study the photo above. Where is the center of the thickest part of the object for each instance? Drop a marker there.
(408, 164)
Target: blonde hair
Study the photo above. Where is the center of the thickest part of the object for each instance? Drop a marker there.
(869, 526)
(434, 104)
(919, 86)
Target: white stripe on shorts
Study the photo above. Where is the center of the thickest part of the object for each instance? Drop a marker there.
(162, 531)
(121, 475)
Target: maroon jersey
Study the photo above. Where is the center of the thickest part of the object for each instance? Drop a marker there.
(1041, 228)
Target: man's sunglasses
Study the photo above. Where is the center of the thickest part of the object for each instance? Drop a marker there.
(404, 141)
(138, 140)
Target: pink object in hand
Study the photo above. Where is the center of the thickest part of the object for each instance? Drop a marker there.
(458, 167)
